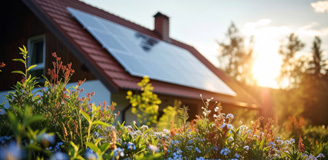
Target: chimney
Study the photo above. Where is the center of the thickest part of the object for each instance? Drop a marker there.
(162, 26)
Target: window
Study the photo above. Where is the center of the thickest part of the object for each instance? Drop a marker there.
(37, 47)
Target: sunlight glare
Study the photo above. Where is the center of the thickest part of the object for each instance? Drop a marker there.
(267, 64)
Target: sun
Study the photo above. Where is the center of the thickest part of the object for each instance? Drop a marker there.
(267, 63)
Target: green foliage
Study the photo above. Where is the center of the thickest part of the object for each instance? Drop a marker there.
(87, 131)
(235, 58)
(171, 117)
(145, 105)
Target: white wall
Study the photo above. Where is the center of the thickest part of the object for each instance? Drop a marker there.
(101, 92)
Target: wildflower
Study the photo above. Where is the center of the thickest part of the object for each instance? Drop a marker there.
(214, 115)
(144, 127)
(200, 158)
(230, 116)
(190, 141)
(216, 109)
(152, 148)
(292, 140)
(128, 127)
(47, 137)
(256, 136)
(230, 139)
(301, 147)
(223, 125)
(96, 133)
(12, 151)
(249, 131)
(230, 126)
(246, 148)
(197, 149)
(118, 152)
(236, 155)
(130, 145)
(271, 144)
(280, 141)
(216, 148)
(59, 155)
(90, 155)
(225, 151)
(165, 130)
(3, 139)
(321, 155)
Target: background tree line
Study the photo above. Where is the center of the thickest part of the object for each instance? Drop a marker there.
(306, 94)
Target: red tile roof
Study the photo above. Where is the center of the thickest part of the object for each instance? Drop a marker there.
(54, 14)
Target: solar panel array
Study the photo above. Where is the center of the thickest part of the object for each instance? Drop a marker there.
(142, 55)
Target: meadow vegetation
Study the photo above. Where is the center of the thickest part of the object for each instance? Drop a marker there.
(56, 122)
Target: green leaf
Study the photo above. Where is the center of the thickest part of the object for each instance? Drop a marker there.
(86, 116)
(104, 147)
(76, 148)
(93, 147)
(29, 68)
(19, 72)
(12, 117)
(19, 60)
(33, 147)
(60, 136)
(100, 123)
(34, 118)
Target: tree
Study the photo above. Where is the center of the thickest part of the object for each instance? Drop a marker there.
(288, 100)
(314, 86)
(291, 67)
(235, 59)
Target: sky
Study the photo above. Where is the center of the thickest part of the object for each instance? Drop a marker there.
(201, 23)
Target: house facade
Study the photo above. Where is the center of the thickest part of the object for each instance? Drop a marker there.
(64, 27)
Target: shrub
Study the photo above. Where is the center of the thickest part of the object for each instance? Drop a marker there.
(80, 130)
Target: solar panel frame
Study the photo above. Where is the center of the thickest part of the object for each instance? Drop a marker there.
(142, 55)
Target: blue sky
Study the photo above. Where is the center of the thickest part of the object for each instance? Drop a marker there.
(201, 22)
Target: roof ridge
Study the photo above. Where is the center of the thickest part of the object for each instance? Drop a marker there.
(102, 10)
(129, 21)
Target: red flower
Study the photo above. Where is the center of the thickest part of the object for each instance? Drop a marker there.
(2, 64)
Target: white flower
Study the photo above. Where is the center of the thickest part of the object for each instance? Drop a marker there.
(153, 148)
(165, 130)
(216, 109)
(246, 148)
(144, 127)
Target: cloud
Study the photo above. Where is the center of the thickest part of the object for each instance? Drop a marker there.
(320, 6)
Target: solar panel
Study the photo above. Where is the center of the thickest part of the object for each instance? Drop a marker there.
(142, 55)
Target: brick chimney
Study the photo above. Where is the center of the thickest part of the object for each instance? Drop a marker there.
(162, 26)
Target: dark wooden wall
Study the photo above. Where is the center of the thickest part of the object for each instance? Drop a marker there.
(19, 24)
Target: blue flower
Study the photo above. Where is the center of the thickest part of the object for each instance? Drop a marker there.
(190, 141)
(119, 151)
(59, 155)
(130, 145)
(236, 155)
(96, 133)
(216, 148)
(230, 116)
(271, 144)
(90, 155)
(225, 151)
(200, 158)
(197, 149)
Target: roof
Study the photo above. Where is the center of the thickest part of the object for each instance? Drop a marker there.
(87, 49)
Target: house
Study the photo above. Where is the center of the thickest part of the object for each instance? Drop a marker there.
(112, 54)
